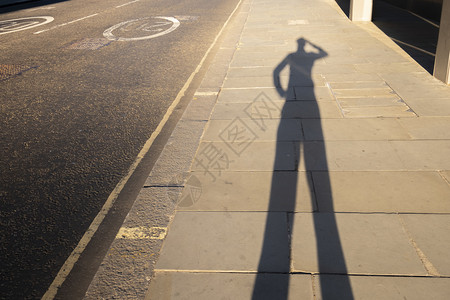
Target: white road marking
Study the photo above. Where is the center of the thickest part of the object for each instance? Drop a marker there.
(64, 24)
(127, 3)
(110, 36)
(75, 255)
(15, 25)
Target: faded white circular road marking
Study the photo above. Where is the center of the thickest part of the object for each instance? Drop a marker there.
(13, 25)
(146, 25)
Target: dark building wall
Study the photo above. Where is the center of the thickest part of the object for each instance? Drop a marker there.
(430, 9)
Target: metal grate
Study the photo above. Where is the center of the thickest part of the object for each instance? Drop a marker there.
(90, 44)
(7, 71)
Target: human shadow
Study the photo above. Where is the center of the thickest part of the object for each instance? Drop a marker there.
(300, 103)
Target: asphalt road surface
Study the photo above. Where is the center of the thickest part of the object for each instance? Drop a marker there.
(77, 103)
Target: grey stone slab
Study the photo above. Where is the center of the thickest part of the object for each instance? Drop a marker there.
(214, 79)
(178, 153)
(424, 155)
(353, 77)
(229, 111)
(371, 244)
(260, 54)
(367, 129)
(125, 270)
(360, 92)
(257, 62)
(358, 85)
(391, 100)
(250, 95)
(249, 191)
(431, 233)
(224, 241)
(251, 156)
(149, 201)
(267, 81)
(349, 59)
(349, 156)
(206, 286)
(383, 58)
(429, 107)
(313, 93)
(334, 69)
(253, 42)
(415, 192)
(199, 109)
(378, 287)
(417, 85)
(416, 78)
(292, 110)
(254, 72)
(424, 128)
(395, 68)
(276, 130)
(394, 111)
(237, 82)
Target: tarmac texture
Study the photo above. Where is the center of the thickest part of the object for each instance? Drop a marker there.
(312, 163)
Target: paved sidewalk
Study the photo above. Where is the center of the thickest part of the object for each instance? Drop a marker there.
(323, 171)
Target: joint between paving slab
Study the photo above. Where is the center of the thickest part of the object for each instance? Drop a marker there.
(316, 202)
(431, 270)
(298, 272)
(443, 177)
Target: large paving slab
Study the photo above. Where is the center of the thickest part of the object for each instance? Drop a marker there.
(431, 128)
(379, 287)
(415, 192)
(410, 86)
(255, 71)
(392, 111)
(393, 100)
(314, 93)
(429, 106)
(393, 68)
(377, 155)
(371, 244)
(287, 110)
(249, 191)
(224, 241)
(349, 156)
(268, 81)
(206, 286)
(351, 77)
(424, 155)
(432, 235)
(178, 152)
(251, 94)
(364, 129)
(363, 92)
(256, 156)
(275, 130)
